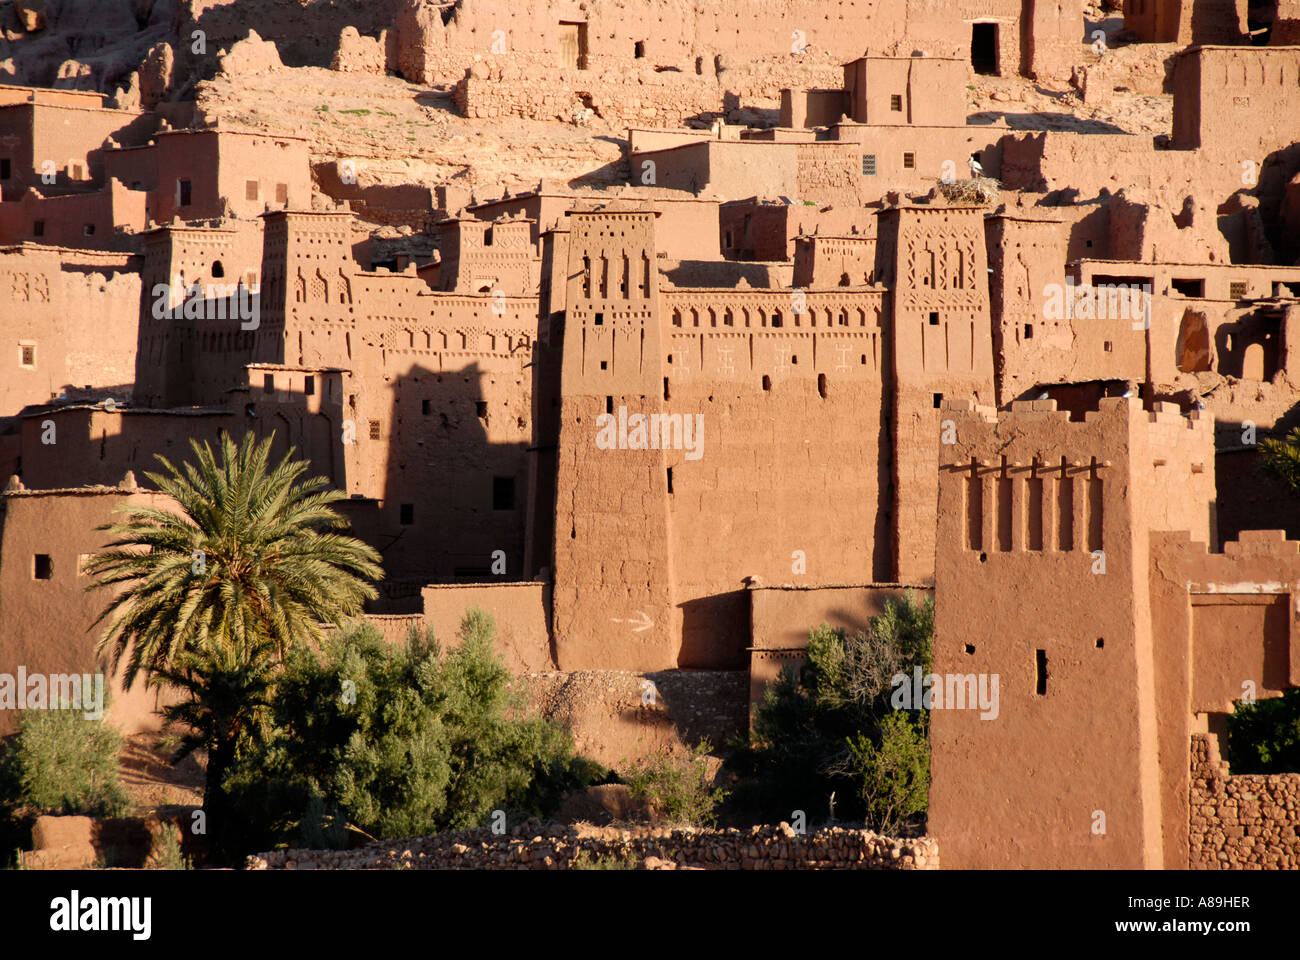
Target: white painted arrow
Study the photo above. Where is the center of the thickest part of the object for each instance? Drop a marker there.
(642, 621)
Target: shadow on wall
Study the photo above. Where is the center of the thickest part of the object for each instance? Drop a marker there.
(454, 500)
(1248, 498)
(715, 632)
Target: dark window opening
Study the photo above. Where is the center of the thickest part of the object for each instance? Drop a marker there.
(6, 168)
(638, 51)
(896, 103)
(480, 408)
(503, 493)
(407, 514)
(1189, 288)
(184, 193)
(88, 230)
(600, 319)
(28, 355)
(821, 385)
(604, 365)
(984, 47)
(309, 385)
(909, 161)
(42, 567)
(767, 382)
(970, 648)
(868, 164)
(609, 404)
(218, 269)
(38, 228)
(1029, 331)
(426, 406)
(268, 383)
(1040, 671)
(938, 400)
(670, 479)
(1101, 642)
(934, 318)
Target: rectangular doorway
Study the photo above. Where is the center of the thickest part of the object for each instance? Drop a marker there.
(573, 45)
(984, 48)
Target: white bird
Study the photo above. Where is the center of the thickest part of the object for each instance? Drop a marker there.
(975, 168)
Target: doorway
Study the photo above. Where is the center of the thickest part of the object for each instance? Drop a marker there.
(573, 45)
(984, 48)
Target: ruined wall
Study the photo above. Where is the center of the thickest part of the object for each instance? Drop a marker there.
(437, 46)
(1243, 821)
(555, 846)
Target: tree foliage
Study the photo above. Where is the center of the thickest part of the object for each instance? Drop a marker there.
(374, 740)
(828, 727)
(1264, 736)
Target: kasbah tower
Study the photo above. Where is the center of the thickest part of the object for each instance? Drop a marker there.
(723, 338)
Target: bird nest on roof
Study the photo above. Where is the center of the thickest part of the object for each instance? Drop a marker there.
(976, 190)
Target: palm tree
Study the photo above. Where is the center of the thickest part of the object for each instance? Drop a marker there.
(215, 593)
(1282, 459)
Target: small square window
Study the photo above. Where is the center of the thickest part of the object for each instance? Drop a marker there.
(909, 161)
(868, 164)
(42, 567)
(1029, 331)
(426, 407)
(309, 385)
(1106, 346)
(934, 318)
(480, 409)
(184, 193)
(88, 230)
(604, 365)
(374, 430)
(250, 190)
(1237, 290)
(268, 383)
(503, 493)
(407, 514)
(600, 319)
(938, 400)
(27, 355)
(282, 193)
(38, 228)
(896, 103)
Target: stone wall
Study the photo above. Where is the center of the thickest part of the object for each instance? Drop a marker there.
(538, 846)
(1244, 822)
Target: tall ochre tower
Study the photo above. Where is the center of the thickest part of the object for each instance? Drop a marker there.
(613, 596)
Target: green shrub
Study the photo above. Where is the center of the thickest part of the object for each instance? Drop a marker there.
(824, 729)
(678, 788)
(894, 775)
(371, 740)
(60, 762)
(1264, 736)
(585, 861)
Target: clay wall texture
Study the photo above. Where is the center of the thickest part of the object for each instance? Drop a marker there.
(75, 312)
